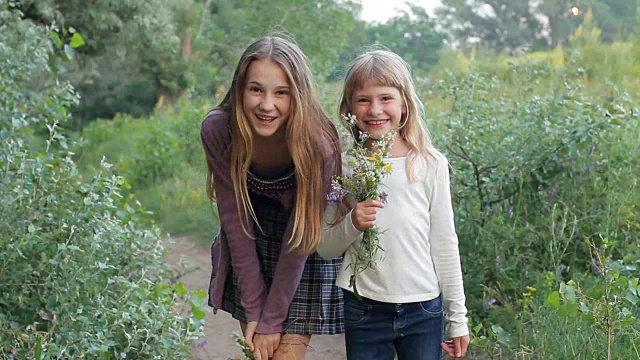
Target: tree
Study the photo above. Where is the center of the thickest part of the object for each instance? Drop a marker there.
(616, 18)
(519, 24)
(130, 45)
(321, 29)
(412, 35)
(506, 25)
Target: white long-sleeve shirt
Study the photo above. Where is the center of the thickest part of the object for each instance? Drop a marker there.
(419, 257)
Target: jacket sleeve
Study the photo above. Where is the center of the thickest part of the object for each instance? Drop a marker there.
(216, 141)
(286, 279)
(290, 268)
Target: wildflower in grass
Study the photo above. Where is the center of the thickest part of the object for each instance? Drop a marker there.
(593, 147)
(488, 303)
(202, 343)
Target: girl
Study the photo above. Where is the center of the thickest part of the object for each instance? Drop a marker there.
(271, 153)
(417, 273)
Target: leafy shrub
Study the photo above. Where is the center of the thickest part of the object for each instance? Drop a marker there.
(81, 272)
(162, 160)
(541, 169)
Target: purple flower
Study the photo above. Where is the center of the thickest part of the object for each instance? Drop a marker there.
(335, 194)
(556, 229)
(593, 147)
(498, 261)
(586, 171)
(490, 211)
(590, 209)
(488, 303)
(552, 194)
(561, 268)
(383, 197)
(577, 236)
(510, 210)
(128, 275)
(202, 343)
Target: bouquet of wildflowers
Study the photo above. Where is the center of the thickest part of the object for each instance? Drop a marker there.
(369, 167)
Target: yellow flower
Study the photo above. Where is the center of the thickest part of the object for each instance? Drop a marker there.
(387, 168)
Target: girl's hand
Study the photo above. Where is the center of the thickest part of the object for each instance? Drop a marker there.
(265, 345)
(363, 214)
(456, 347)
(249, 330)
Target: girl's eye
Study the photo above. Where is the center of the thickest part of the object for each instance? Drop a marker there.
(363, 100)
(254, 89)
(387, 98)
(282, 92)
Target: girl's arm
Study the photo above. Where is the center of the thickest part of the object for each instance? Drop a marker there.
(289, 268)
(336, 238)
(244, 257)
(444, 249)
(285, 283)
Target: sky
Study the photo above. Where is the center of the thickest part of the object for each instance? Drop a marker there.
(381, 10)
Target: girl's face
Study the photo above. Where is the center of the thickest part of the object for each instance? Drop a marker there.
(266, 99)
(378, 109)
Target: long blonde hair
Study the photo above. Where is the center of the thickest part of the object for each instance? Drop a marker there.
(308, 129)
(381, 67)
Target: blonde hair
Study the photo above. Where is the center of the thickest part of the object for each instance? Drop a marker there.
(381, 67)
(307, 130)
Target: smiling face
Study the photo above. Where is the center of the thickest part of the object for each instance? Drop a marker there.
(266, 98)
(379, 109)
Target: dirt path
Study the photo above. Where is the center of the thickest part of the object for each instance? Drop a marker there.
(183, 253)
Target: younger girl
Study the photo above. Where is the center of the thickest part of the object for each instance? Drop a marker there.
(271, 153)
(417, 273)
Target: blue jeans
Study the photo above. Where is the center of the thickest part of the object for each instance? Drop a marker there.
(378, 331)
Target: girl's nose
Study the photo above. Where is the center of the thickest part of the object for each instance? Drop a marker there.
(375, 108)
(267, 103)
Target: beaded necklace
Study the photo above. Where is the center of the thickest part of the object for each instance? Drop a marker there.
(283, 182)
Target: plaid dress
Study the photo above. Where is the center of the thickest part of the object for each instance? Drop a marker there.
(317, 304)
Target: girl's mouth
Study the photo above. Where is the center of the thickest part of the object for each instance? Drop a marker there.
(375, 122)
(266, 118)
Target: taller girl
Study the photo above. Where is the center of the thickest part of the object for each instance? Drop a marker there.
(417, 280)
(271, 153)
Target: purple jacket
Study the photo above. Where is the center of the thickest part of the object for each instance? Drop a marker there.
(233, 247)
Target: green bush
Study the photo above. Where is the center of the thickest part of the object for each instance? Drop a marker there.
(162, 160)
(81, 270)
(541, 169)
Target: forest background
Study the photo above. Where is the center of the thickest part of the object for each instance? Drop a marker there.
(535, 103)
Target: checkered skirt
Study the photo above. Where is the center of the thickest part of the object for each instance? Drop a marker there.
(317, 304)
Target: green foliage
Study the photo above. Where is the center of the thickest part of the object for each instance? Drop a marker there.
(131, 46)
(82, 274)
(321, 29)
(411, 35)
(506, 25)
(162, 160)
(541, 168)
(503, 25)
